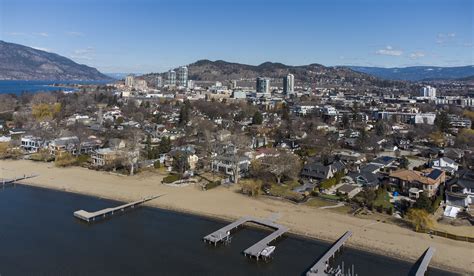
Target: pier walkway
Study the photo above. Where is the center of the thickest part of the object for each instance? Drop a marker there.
(223, 235)
(92, 216)
(321, 266)
(5, 182)
(421, 265)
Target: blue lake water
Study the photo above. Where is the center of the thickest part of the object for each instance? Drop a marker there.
(18, 87)
(40, 236)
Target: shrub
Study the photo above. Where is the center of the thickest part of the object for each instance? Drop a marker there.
(65, 160)
(171, 178)
(379, 208)
(212, 184)
(42, 155)
(390, 211)
(82, 159)
(157, 164)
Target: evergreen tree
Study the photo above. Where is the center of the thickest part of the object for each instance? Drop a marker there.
(442, 121)
(257, 118)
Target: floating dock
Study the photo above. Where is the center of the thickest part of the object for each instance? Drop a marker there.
(92, 216)
(321, 266)
(223, 235)
(421, 265)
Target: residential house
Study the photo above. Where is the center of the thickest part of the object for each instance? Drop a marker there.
(228, 160)
(316, 170)
(428, 180)
(460, 190)
(74, 146)
(445, 164)
(31, 144)
(105, 156)
(367, 176)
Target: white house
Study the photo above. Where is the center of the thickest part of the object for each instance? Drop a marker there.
(445, 164)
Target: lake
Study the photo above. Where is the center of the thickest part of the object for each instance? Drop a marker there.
(18, 87)
(40, 236)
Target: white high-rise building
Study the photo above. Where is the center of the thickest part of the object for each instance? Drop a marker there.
(130, 80)
(159, 81)
(263, 85)
(428, 92)
(182, 76)
(289, 84)
(171, 78)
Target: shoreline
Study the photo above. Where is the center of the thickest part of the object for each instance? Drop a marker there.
(223, 219)
(304, 222)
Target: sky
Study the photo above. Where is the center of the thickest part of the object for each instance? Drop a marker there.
(143, 36)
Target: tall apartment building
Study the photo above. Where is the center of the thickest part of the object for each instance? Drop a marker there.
(428, 92)
(182, 76)
(263, 85)
(130, 80)
(171, 75)
(289, 84)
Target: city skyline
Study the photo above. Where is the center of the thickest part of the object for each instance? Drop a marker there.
(147, 36)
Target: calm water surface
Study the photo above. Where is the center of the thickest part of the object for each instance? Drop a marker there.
(18, 87)
(40, 236)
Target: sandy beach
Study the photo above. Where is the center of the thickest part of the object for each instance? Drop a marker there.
(227, 203)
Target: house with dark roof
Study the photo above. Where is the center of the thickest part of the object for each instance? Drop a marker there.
(368, 176)
(460, 190)
(384, 161)
(318, 171)
(445, 164)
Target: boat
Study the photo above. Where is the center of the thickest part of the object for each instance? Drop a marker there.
(267, 251)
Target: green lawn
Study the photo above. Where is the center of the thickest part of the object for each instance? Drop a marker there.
(285, 191)
(317, 202)
(383, 199)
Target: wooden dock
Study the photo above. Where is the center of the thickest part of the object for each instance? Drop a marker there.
(6, 182)
(322, 265)
(92, 216)
(223, 235)
(421, 265)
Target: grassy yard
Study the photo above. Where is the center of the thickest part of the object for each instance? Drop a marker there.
(317, 202)
(285, 190)
(382, 199)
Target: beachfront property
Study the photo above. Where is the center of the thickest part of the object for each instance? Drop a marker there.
(105, 156)
(412, 182)
(460, 193)
(316, 170)
(73, 145)
(32, 144)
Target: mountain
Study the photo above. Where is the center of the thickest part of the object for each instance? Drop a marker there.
(18, 62)
(417, 73)
(206, 70)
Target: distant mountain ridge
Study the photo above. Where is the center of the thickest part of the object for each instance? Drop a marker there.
(219, 70)
(18, 62)
(418, 73)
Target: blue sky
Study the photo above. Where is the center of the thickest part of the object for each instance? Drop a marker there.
(149, 36)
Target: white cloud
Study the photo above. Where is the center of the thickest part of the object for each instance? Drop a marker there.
(417, 55)
(76, 34)
(443, 38)
(43, 34)
(84, 54)
(389, 51)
